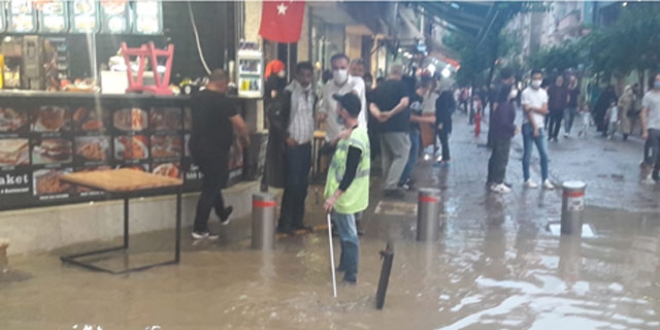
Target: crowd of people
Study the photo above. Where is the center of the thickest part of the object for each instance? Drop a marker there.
(394, 121)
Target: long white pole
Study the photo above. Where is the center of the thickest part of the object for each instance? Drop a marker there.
(332, 258)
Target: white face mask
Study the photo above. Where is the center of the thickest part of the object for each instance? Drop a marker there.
(340, 76)
(281, 74)
(536, 83)
(513, 94)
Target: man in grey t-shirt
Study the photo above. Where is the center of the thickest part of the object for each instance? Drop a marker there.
(651, 126)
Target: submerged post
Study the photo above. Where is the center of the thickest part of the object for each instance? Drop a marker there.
(572, 207)
(388, 257)
(428, 211)
(263, 221)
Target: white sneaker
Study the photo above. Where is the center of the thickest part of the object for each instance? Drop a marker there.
(500, 188)
(565, 135)
(548, 185)
(205, 235)
(530, 184)
(649, 181)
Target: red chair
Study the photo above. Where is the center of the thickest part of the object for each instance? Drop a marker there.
(149, 51)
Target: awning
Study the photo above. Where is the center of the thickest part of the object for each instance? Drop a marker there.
(470, 17)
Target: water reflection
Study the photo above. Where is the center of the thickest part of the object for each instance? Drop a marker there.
(492, 268)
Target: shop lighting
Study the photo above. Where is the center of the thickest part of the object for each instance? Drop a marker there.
(431, 68)
(445, 73)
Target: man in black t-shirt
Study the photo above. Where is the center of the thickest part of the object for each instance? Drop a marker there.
(214, 118)
(390, 107)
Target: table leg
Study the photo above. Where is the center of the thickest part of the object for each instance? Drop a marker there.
(177, 243)
(71, 259)
(125, 223)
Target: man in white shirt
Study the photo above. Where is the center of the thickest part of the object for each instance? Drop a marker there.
(341, 83)
(534, 100)
(651, 125)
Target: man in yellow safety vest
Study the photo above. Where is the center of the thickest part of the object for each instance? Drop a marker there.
(347, 185)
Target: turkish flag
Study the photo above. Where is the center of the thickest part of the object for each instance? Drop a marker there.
(281, 21)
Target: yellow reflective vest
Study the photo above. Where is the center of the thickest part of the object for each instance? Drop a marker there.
(356, 197)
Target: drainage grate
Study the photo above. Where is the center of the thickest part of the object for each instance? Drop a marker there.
(396, 208)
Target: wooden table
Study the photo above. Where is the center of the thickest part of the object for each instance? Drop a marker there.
(127, 184)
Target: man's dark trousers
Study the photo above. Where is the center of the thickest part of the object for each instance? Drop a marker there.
(299, 163)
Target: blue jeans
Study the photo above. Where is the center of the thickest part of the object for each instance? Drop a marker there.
(412, 157)
(569, 116)
(350, 245)
(541, 145)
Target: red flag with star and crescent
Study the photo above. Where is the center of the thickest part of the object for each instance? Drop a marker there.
(281, 21)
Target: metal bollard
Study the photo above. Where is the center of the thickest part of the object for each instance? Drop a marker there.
(572, 207)
(428, 209)
(263, 221)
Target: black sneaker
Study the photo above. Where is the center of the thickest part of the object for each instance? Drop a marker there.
(394, 193)
(286, 231)
(199, 235)
(224, 216)
(302, 227)
(408, 185)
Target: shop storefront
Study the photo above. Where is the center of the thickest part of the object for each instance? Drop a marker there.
(64, 106)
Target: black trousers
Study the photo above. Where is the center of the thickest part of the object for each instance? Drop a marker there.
(556, 117)
(215, 178)
(298, 165)
(499, 158)
(444, 141)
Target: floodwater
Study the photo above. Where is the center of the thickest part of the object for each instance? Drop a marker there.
(491, 270)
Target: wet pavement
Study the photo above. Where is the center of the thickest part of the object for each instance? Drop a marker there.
(495, 266)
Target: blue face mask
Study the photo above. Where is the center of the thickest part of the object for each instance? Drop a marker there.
(656, 85)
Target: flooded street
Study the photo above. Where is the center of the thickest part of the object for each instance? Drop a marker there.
(481, 274)
(495, 266)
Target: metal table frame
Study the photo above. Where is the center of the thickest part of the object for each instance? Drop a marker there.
(72, 259)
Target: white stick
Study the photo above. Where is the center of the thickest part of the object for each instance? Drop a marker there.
(332, 258)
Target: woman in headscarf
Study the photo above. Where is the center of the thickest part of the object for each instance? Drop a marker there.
(600, 110)
(275, 75)
(276, 111)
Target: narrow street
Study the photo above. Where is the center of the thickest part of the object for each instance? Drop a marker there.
(496, 263)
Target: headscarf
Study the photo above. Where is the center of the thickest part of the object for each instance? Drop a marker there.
(274, 67)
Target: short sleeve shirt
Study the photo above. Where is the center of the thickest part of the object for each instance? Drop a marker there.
(534, 98)
(387, 96)
(651, 101)
(212, 128)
